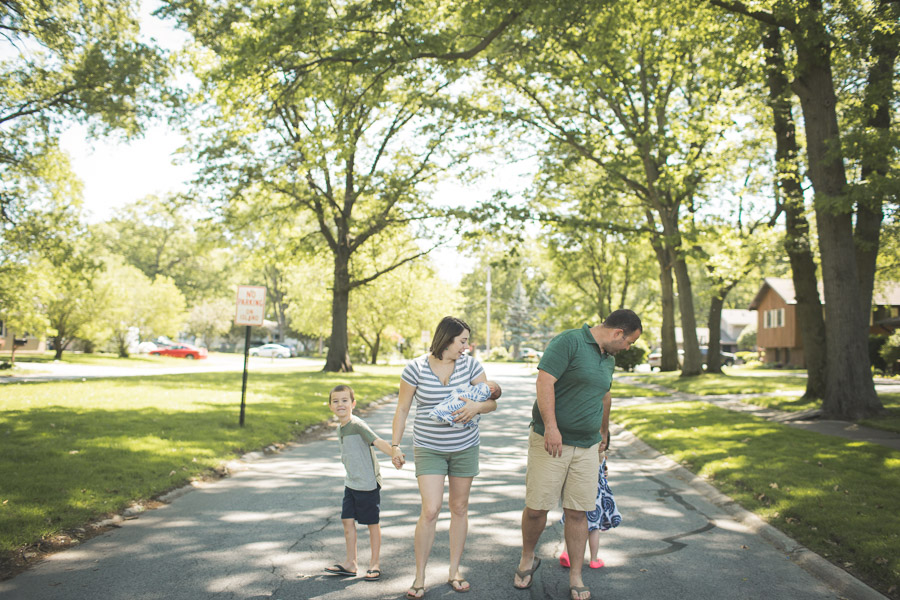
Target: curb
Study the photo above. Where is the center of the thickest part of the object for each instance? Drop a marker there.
(846, 584)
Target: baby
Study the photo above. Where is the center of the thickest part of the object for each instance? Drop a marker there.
(443, 412)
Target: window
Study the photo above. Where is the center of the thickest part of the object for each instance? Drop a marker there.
(773, 318)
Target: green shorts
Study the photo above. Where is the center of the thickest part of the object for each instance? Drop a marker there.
(462, 463)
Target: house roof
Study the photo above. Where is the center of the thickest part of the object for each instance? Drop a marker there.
(884, 294)
(738, 316)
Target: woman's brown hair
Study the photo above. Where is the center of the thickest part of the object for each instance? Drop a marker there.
(447, 329)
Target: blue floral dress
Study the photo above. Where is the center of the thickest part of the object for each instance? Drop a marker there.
(606, 515)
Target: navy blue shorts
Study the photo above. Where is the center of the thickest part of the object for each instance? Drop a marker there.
(365, 507)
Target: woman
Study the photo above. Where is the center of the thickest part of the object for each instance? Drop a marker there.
(441, 450)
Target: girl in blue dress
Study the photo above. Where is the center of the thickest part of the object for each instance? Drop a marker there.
(604, 517)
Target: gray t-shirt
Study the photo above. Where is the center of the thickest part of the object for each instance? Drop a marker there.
(358, 455)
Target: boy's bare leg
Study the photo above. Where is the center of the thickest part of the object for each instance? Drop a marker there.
(350, 540)
(375, 544)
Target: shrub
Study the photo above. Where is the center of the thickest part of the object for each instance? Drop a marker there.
(747, 339)
(890, 353)
(497, 353)
(747, 356)
(629, 359)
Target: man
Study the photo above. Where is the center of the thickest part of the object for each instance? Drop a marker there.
(568, 433)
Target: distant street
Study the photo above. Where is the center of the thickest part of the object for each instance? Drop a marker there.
(36, 372)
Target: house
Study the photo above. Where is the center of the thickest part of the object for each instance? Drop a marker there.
(778, 334)
(23, 343)
(733, 323)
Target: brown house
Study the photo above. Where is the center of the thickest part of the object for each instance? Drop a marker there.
(778, 335)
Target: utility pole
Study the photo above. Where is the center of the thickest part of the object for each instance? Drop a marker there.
(487, 288)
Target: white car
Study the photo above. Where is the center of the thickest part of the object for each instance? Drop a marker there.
(530, 353)
(271, 350)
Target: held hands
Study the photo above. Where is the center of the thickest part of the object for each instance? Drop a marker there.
(553, 442)
(399, 458)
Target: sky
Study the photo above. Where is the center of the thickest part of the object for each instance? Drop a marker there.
(116, 173)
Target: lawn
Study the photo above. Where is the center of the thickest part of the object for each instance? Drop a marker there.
(734, 381)
(100, 359)
(840, 498)
(99, 445)
(780, 391)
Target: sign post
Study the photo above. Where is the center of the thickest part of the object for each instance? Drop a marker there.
(250, 310)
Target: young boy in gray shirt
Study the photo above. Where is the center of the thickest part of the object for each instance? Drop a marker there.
(362, 484)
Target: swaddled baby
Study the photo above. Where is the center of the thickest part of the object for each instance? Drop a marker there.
(443, 412)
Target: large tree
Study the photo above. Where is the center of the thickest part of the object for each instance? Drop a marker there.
(67, 60)
(640, 90)
(790, 201)
(848, 217)
(351, 140)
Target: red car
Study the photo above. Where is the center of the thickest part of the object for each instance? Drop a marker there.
(181, 351)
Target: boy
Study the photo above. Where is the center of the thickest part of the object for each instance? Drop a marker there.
(362, 497)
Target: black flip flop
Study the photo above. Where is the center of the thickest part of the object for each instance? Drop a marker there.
(340, 570)
(372, 575)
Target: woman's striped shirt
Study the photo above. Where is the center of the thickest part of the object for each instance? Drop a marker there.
(429, 393)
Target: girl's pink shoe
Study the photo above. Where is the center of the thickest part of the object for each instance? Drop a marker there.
(595, 564)
(564, 559)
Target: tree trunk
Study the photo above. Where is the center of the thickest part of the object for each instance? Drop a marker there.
(850, 391)
(375, 348)
(796, 237)
(714, 348)
(692, 363)
(338, 359)
(668, 343)
(58, 347)
(877, 151)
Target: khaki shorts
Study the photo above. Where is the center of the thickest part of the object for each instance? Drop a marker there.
(572, 475)
(462, 463)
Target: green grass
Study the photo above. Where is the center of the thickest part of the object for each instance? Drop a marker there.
(100, 359)
(890, 421)
(733, 382)
(628, 390)
(773, 384)
(75, 451)
(840, 498)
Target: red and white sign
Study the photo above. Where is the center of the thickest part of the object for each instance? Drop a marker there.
(251, 305)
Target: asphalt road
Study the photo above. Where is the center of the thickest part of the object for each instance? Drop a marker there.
(268, 532)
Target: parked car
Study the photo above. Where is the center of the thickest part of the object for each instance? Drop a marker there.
(728, 359)
(272, 350)
(530, 353)
(655, 359)
(188, 351)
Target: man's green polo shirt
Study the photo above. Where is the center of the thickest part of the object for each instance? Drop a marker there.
(583, 376)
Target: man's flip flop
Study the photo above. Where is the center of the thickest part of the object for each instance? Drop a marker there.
(372, 575)
(528, 572)
(340, 570)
